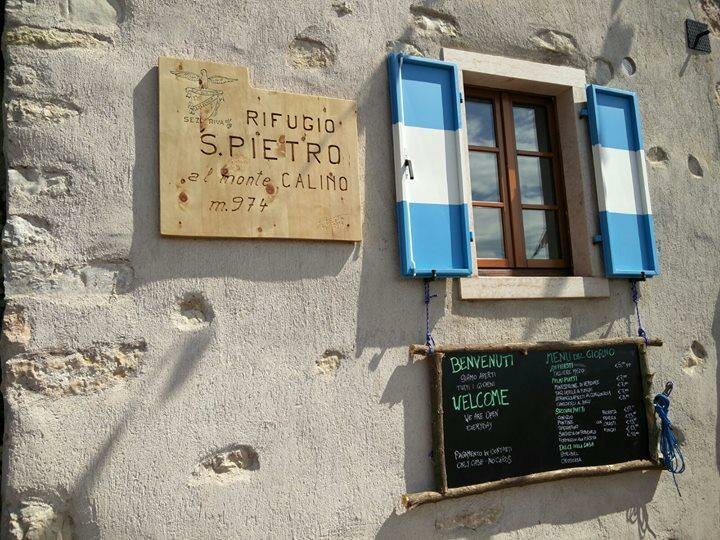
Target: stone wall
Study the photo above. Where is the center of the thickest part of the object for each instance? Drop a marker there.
(181, 388)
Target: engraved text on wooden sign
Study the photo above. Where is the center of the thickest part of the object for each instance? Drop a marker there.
(236, 161)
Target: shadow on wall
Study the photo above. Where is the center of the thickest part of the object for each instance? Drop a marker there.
(569, 501)
(157, 258)
(611, 316)
(173, 371)
(390, 309)
(390, 312)
(617, 42)
(410, 384)
(716, 337)
(386, 322)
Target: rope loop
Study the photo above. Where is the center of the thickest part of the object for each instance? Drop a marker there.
(635, 298)
(429, 341)
(673, 459)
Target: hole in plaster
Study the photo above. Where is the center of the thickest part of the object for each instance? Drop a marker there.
(430, 20)
(37, 519)
(330, 362)
(690, 361)
(342, 8)
(403, 47)
(698, 349)
(679, 435)
(694, 166)
(227, 465)
(711, 8)
(557, 42)
(694, 358)
(657, 154)
(193, 312)
(309, 52)
(629, 66)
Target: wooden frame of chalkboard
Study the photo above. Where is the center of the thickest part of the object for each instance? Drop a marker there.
(649, 459)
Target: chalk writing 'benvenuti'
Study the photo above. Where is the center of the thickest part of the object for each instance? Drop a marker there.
(482, 361)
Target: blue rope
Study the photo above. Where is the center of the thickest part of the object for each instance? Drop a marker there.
(429, 341)
(635, 296)
(673, 459)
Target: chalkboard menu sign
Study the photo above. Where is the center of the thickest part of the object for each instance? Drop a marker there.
(509, 411)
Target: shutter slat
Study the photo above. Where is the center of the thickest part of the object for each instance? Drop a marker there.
(626, 221)
(432, 206)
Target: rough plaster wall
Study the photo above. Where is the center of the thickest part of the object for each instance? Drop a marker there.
(169, 388)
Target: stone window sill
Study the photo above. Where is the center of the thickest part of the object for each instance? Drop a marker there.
(524, 288)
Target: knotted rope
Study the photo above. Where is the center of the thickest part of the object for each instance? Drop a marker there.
(429, 341)
(673, 459)
(635, 297)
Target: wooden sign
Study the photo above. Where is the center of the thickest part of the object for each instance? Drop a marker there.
(507, 415)
(241, 162)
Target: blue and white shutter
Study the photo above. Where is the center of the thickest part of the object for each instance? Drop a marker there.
(432, 200)
(626, 222)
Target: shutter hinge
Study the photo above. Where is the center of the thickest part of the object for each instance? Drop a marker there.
(472, 236)
(584, 112)
(597, 239)
(462, 98)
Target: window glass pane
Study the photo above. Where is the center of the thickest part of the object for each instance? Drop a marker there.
(542, 238)
(488, 233)
(536, 180)
(480, 126)
(531, 128)
(484, 176)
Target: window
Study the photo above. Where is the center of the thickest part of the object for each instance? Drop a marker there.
(518, 196)
(578, 273)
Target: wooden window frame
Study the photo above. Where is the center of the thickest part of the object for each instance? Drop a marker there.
(515, 262)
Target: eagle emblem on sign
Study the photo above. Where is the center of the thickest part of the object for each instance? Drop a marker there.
(203, 101)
